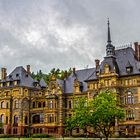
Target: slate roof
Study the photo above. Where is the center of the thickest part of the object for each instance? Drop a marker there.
(42, 83)
(123, 56)
(81, 76)
(111, 61)
(119, 62)
(19, 73)
(24, 78)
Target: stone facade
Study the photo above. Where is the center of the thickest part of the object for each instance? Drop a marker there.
(28, 106)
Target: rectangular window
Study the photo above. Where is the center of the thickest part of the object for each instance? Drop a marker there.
(130, 115)
(50, 118)
(55, 105)
(91, 86)
(16, 104)
(6, 119)
(51, 104)
(41, 118)
(69, 104)
(2, 104)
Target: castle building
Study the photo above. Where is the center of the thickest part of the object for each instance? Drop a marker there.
(28, 106)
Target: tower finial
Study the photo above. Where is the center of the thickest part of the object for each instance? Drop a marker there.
(110, 49)
(109, 36)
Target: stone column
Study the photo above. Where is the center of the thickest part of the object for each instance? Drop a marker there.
(116, 128)
(61, 131)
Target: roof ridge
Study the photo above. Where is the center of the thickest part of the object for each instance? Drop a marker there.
(118, 49)
(85, 69)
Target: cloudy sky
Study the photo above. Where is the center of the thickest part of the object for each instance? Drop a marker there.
(63, 33)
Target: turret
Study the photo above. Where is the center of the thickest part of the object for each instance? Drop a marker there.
(110, 49)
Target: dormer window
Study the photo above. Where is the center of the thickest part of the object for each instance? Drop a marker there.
(10, 83)
(4, 84)
(18, 82)
(26, 75)
(15, 83)
(35, 83)
(129, 68)
(10, 76)
(17, 75)
(106, 68)
(81, 86)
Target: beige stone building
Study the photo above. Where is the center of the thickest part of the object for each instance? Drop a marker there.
(28, 106)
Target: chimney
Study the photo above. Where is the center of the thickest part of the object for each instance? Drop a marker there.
(28, 69)
(137, 51)
(74, 71)
(65, 74)
(3, 73)
(97, 63)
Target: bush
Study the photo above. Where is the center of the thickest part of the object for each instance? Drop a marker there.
(40, 136)
(6, 136)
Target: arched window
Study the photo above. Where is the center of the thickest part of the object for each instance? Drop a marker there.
(15, 130)
(40, 130)
(43, 104)
(33, 104)
(2, 104)
(6, 119)
(9, 131)
(15, 119)
(26, 120)
(7, 105)
(25, 131)
(16, 104)
(2, 118)
(33, 130)
(37, 130)
(39, 104)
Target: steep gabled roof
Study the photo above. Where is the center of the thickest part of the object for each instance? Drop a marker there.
(19, 73)
(42, 83)
(81, 76)
(123, 56)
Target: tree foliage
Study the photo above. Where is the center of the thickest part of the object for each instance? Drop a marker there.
(99, 113)
(60, 74)
(105, 111)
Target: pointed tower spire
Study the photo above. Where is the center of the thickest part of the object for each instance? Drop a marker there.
(109, 36)
(110, 49)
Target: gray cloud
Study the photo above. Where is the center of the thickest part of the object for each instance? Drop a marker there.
(63, 33)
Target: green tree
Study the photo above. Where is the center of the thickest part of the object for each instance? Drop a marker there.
(81, 113)
(60, 74)
(71, 124)
(106, 110)
(99, 113)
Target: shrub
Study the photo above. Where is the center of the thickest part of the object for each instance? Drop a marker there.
(40, 136)
(6, 136)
